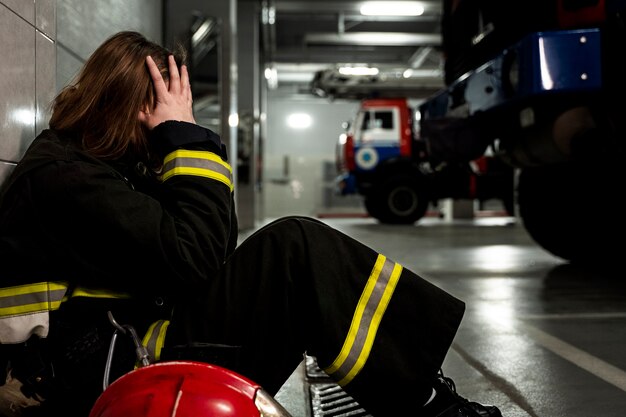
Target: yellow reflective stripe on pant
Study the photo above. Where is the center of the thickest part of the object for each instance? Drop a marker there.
(365, 321)
(154, 338)
(25, 309)
(197, 163)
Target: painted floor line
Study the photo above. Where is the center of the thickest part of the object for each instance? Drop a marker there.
(603, 370)
(566, 316)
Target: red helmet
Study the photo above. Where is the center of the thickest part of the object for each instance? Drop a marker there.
(185, 389)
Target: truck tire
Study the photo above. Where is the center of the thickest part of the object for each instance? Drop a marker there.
(573, 209)
(398, 200)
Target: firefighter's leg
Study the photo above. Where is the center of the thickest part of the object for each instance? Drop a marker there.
(298, 285)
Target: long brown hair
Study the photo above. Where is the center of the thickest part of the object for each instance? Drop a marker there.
(100, 107)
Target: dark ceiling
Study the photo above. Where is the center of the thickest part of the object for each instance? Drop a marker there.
(315, 35)
(307, 41)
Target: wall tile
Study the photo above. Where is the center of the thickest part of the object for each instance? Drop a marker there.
(5, 170)
(68, 66)
(24, 8)
(45, 64)
(45, 17)
(17, 85)
(82, 25)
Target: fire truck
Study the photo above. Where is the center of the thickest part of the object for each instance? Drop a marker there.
(542, 84)
(382, 157)
(533, 90)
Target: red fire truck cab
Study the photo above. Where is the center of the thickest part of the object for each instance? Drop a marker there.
(382, 157)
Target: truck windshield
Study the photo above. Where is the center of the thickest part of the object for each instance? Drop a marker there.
(378, 120)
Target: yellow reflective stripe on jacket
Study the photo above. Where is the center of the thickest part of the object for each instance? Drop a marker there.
(197, 163)
(92, 293)
(154, 338)
(24, 299)
(25, 309)
(365, 321)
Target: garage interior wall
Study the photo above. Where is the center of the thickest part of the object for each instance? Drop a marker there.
(82, 25)
(45, 42)
(28, 33)
(299, 163)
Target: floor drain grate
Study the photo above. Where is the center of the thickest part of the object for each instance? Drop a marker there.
(328, 399)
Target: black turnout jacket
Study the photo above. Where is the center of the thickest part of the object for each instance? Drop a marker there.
(103, 228)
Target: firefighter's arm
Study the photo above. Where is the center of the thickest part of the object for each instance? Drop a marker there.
(197, 186)
(190, 151)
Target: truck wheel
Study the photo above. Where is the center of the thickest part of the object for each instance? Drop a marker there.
(556, 206)
(398, 200)
(508, 203)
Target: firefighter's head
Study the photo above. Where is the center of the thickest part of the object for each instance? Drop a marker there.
(100, 106)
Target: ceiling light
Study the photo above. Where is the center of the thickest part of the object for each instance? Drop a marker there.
(358, 71)
(268, 15)
(271, 75)
(233, 120)
(392, 8)
(299, 120)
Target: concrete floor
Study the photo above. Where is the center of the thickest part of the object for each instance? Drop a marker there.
(540, 337)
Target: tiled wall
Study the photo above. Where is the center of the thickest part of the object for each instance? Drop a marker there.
(27, 65)
(42, 45)
(85, 24)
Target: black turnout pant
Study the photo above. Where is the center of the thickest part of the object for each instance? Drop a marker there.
(299, 286)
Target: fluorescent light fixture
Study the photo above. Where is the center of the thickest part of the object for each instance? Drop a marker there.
(202, 31)
(392, 8)
(422, 73)
(271, 75)
(233, 120)
(268, 15)
(358, 71)
(299, 121)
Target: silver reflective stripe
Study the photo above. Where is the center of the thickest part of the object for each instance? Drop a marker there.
(25, 309)
(197, 163)
(365, 321)
(154, 338)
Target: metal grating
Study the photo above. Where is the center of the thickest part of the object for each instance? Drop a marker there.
(328, 399)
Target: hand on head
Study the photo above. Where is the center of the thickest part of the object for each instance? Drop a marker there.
(173, 102)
